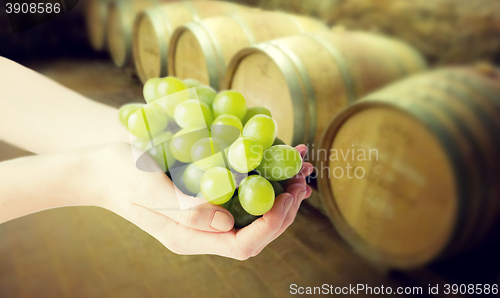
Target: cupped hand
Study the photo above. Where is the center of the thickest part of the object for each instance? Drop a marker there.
(151, 201)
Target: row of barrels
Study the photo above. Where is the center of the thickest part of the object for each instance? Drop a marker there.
(423, 155)
(408, 173)
(141, 30)
(287, 63)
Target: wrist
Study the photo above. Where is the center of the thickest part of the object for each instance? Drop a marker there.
(41, 182)
(98, 174)
(87, 183)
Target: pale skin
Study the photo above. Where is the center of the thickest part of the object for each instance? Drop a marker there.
(87, 161)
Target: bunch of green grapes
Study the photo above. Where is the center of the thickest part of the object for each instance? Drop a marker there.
(227, 153)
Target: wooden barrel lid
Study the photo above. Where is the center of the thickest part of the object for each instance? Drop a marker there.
(118, 32)
(150, 44)
(468, 105)
(404, 210)
(219, 38)
(456, 116)
(197, 57)
(262, 83)
(96, 13)
(268, 77)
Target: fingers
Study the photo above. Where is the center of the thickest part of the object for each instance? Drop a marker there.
(299, 193)
(184, 240)
(208, 229)
(206, 217)
(154, 223)
(249, 241)
(179, 238)
(302, 150)
(252, 238)
(201, 216)
(193, 212)
(308, 191)
(291, 203)
(300, 178)
(306, 170)
(240, 245)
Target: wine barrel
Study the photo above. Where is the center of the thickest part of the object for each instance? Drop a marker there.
(203, 49)
(96, 13)
(121, 16)
(304, 80)
(411, 173)
(153, 28)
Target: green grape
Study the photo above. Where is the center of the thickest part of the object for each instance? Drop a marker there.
(147, 118)
(162, 155)
(190, 83)
(262, 128)
(206, 95)
(149, 89)
(192, 113)
(278, 141)
(238, 177)
(278, 188)
(227, 204)
(208, 153)
(280, 162)
(227, 133)
(169, 85)
(230, 102)
(256, 111)
(256, 195)
(127, 110)
(141, 144)
(245, 154)
(241, 217)
(158, 149)
(183, 141)
(192, 178)
(167, 104)
(177, 176)
(217, 185)
(228, 120)
(165, 136)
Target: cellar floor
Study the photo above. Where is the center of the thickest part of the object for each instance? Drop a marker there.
(91, 252)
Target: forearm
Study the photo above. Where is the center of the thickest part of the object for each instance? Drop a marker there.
(41, 116)
(36, 183)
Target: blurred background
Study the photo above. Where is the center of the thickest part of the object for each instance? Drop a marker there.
(90, 252)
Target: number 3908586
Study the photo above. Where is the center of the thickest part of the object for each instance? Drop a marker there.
(32, 8)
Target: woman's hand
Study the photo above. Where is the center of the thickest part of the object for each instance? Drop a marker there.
(151, 201)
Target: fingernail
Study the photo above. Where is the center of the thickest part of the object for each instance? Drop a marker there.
(308, 172)
(222, 221)
(308, 190)
(311, 171)
(287, 204)
(302, 195)
(303, 153)
(299, 187)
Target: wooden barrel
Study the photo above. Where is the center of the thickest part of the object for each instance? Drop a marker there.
(304, 80)
(153, 28)
(202, 50)
(96, 13)
(424, 166)
(121, 16)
